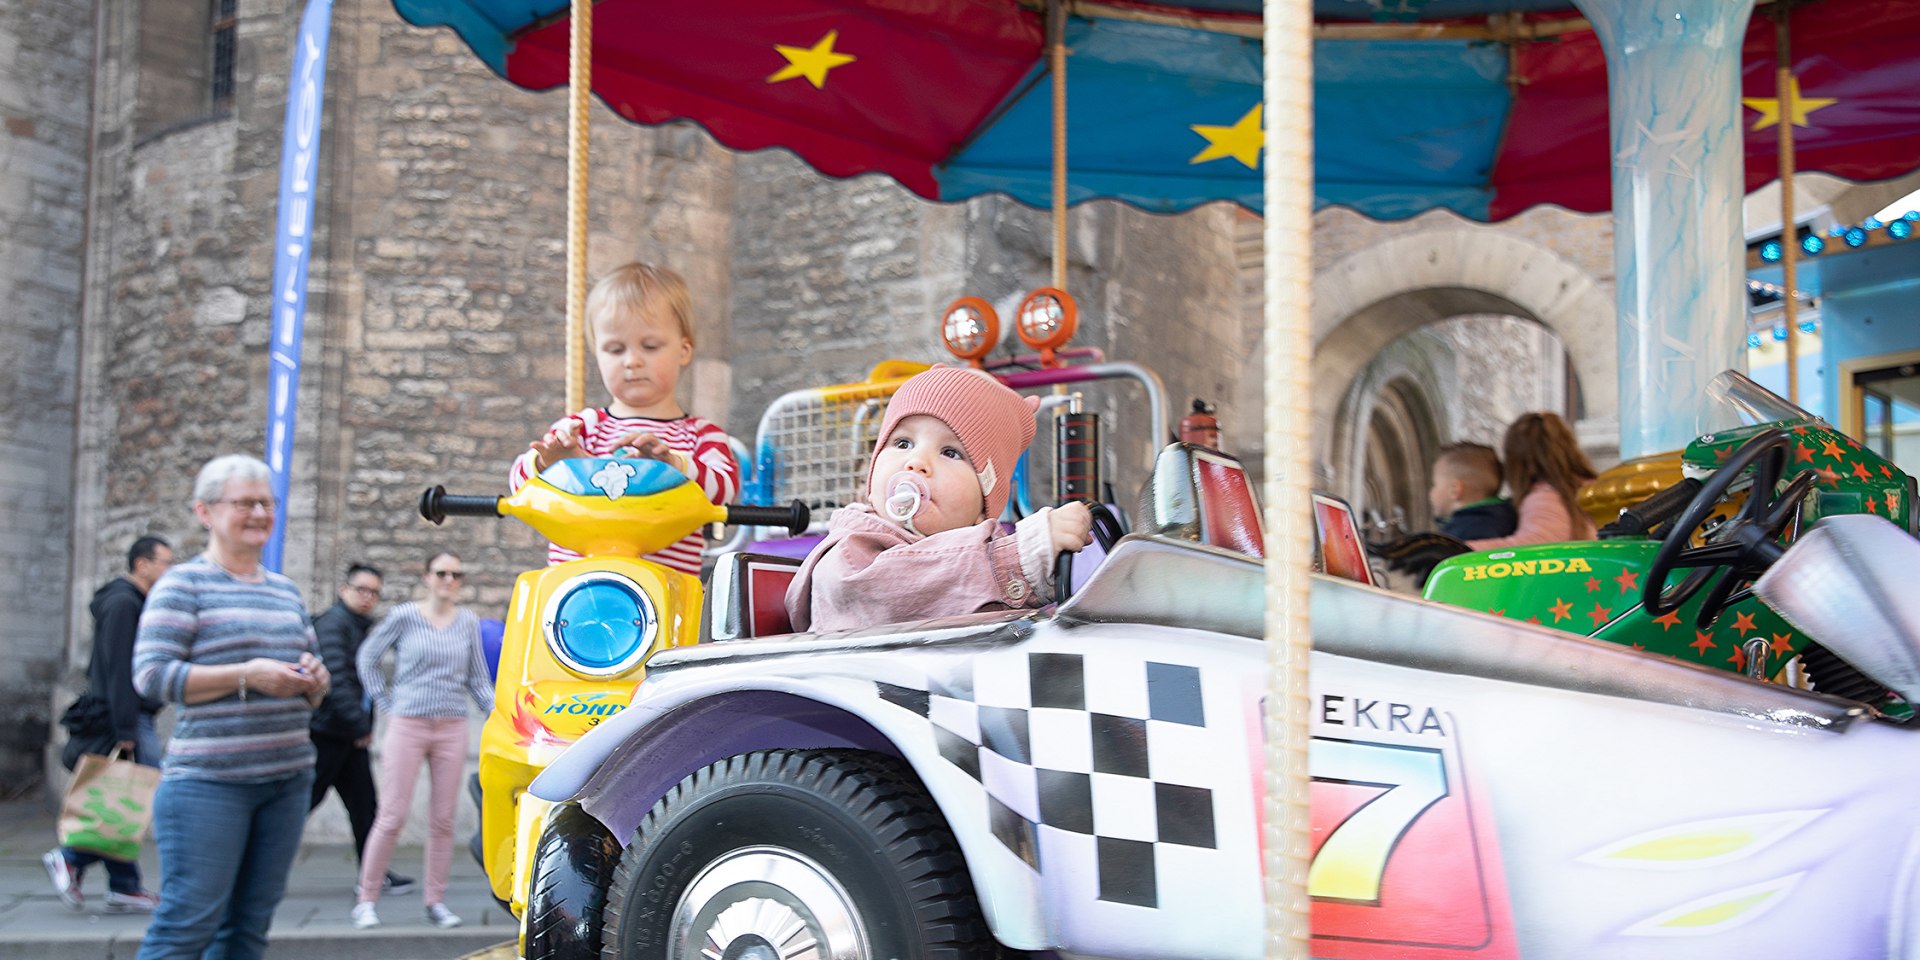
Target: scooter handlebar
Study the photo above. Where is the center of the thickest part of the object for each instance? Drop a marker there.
(436, 504)
(794, 516)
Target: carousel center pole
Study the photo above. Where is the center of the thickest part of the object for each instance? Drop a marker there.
(1673, 99)
(1287, 839)
(579, 86)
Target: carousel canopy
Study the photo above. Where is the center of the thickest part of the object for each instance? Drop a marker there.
(1504, 107)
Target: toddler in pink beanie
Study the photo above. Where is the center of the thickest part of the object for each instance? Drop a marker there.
(927, 542)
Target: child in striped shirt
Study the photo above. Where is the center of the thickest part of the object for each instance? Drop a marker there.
(640, 329)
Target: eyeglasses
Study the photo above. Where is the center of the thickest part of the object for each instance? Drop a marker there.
(364, 591)
(448, 574)
(250, 504)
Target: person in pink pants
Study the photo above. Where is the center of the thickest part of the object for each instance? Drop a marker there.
(438, 666)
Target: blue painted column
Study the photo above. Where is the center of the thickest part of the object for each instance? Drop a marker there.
(1673, 97)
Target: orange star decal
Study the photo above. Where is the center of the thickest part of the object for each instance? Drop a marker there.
(1893, 502)
(1668, 622)
(1534, 620)
(1885, 472)
(1873, 506)
(1702, 642)
(1802, 453)
(1782, 644)
(1498, 613)
(1860, 470)
(1561, 611)
(1738, 659)
(1628, 580)
(1800, 431)
(1830, 449)
(1828, 477)
(1593, 584)
(1723, 453)
(1599, 614)
(1742, 623)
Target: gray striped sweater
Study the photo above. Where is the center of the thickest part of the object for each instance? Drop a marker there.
(199, 614)
(434, 671)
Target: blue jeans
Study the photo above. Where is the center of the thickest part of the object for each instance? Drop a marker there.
(122, 877)
(225, 850)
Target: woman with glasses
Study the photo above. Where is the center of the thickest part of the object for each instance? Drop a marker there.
(228, 640)
(437, 668)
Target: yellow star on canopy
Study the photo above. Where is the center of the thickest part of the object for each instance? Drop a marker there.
(811, 62)
(1797, 106)
(1242, 141)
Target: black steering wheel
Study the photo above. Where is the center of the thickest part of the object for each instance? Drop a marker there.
(1739, 550)
(1106, 532)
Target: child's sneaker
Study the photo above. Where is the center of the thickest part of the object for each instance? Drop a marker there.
(363, 915)
(139, 901)
(66, 881)
(440, 916)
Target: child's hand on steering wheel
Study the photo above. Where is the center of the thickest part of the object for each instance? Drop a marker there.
(645, 444)
(1071, 526)
(560, 443)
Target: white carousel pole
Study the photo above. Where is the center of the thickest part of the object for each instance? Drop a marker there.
(1289, 467)
(579, 87)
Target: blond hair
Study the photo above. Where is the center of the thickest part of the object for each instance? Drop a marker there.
(634, 286)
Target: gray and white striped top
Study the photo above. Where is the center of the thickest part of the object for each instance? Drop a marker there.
(199, 614)
(432, 668)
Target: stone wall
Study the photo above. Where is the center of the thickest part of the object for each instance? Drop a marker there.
(45, 53)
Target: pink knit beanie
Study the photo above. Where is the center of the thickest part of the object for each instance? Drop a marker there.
(994, 424)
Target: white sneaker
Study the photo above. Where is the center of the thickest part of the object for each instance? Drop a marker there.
(364, 916)
(440, 916)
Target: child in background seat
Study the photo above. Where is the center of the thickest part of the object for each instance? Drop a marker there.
(927, 543)
(1466, 492)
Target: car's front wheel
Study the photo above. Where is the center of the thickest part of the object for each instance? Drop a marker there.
(791, 854)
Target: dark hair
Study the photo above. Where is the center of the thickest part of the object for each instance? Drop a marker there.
(1475, 463)
(437, 554)
(359, 568)
(144, 549)
(1540, 448)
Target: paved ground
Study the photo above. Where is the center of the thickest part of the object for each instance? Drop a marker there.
(311, 923)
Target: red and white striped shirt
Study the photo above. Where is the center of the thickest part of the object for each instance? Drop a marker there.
(702, 442)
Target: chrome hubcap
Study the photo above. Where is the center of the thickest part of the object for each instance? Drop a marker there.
(766, 903)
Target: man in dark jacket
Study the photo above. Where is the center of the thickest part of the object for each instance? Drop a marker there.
(128, 717)
(342, 726)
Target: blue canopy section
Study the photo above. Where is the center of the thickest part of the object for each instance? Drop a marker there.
(1400, 11)
(1156, 114)
(484, 24)
(1134, 93)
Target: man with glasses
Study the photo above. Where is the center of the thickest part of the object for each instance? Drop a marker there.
(342, 727)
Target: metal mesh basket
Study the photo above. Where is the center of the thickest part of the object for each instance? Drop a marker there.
(814, 445)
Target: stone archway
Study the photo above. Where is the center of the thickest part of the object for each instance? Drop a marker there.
(1368, 300)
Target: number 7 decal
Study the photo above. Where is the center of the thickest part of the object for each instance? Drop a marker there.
(1353, 859)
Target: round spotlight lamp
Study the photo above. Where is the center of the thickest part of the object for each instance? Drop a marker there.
(970, 329)
(1046, 321)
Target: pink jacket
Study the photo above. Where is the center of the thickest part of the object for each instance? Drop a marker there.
(870, 571)
(1543, 519)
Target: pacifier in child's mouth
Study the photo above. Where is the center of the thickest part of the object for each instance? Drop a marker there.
(906, 495)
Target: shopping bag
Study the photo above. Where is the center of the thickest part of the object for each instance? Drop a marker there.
(108, 805)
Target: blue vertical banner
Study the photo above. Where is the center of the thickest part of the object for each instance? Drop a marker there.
(292, 242)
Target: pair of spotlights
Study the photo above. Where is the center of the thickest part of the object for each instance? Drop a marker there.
(1045, 321)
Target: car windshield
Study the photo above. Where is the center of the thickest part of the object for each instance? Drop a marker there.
(1734, 401)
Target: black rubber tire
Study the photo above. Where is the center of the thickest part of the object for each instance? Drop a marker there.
(571, 870)
(862, 817)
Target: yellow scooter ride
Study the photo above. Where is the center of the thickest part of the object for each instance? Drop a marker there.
(578, 634)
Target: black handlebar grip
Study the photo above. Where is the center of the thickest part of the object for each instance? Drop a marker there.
(1637, 520)
(436, 504)
(794, 516)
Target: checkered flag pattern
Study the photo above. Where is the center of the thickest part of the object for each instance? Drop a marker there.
(1103, 747)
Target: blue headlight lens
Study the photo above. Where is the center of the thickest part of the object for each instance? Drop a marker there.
(601, 624)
